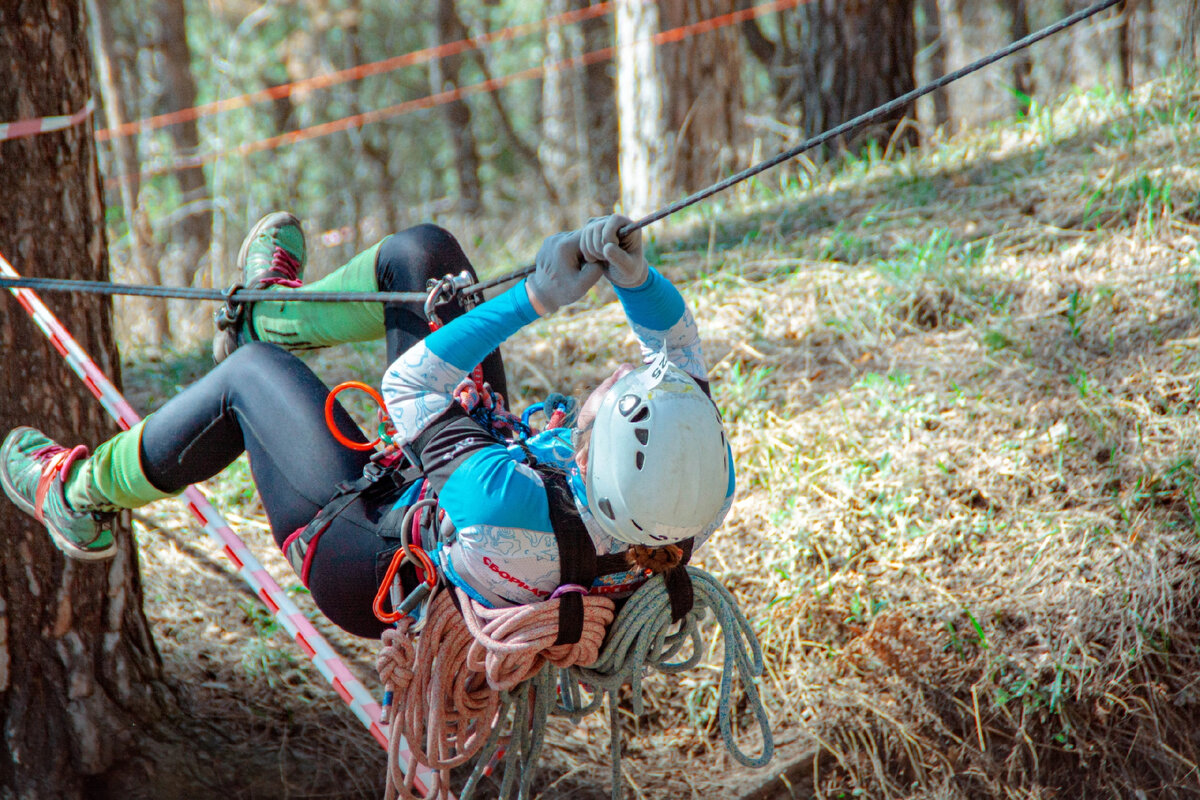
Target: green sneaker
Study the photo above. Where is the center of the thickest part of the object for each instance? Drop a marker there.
(272, 254)
(32, 469)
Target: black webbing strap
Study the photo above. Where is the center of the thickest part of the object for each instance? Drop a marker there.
(576, 556)
(679, 584)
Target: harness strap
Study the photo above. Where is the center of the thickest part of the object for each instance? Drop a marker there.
(576, 557)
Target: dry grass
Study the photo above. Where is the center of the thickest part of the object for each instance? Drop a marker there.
(960, 387)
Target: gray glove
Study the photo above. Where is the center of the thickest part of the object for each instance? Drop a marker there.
(560, 276)
(626, 267)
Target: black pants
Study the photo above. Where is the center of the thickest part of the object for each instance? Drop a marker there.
(266, 402)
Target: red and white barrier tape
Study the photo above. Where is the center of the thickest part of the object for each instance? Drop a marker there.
(286, 612)
(31, 127)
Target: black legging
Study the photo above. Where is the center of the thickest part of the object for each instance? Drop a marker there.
(266, 402)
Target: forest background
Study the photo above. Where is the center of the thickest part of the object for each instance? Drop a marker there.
(956, 355)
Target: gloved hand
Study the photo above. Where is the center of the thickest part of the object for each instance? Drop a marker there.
(622, 255)
(561, 275)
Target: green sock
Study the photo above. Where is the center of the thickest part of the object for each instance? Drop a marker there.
(303, 326)
(112, 477)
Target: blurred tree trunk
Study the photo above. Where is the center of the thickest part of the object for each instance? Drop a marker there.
(857, 54)
(1022, 61)
(180, 85)
(578, 149)
(78, 666)
(935, 43)
(145, 262)
(1125, 33)
(680, 103)
(1191, 32)
(443, 76)
(599, 115)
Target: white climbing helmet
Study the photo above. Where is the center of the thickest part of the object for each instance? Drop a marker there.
(658, 465)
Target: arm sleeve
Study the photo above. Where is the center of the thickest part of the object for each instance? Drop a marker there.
(418, 387)
(662, 321)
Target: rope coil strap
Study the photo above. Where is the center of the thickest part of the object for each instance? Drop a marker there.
(482, 682)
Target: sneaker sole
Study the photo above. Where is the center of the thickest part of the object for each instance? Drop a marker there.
(66, 546)
(275, 217)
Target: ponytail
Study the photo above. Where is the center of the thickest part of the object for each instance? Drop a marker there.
(654, 559)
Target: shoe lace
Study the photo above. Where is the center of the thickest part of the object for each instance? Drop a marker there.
(286, 269)
(56, 461)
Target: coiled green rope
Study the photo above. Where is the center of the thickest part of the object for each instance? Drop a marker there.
(641, 636)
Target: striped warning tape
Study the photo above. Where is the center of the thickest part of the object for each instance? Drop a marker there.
(32, 127)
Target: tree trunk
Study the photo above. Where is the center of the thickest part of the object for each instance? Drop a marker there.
(145, 262)
(180, 86)
(936, 47)
(1125, 34)
(1190, 38)
(77, 661)
(680, 103)
(1022, 62)
(578, 149)
(599, 116)
(443, 76)
(857, 54)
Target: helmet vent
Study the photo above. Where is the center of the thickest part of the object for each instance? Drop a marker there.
(641, 415)
(642, 434)
(606, 508)
(640, 459)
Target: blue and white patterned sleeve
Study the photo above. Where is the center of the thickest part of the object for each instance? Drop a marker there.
(418, 387)
(662, 321)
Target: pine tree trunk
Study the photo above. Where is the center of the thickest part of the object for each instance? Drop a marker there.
(77, 661)
(680, 103)
(145, 262)
(599, 115)
(703, 74)
(1190, 39)
(857, 54)
(443, 76)
(196, 226)
(935, 42)
(1022, 62)
(640, 101)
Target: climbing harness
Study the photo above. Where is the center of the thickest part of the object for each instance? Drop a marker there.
(495, 668)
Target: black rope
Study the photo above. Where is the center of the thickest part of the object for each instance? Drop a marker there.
(885, 110)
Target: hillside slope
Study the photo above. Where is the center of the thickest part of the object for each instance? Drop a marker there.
(960, 388)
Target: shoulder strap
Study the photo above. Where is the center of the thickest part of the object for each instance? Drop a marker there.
(576, 556)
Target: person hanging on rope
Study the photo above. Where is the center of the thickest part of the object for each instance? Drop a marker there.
(643, 477)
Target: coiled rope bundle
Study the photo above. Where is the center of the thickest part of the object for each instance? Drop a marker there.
(470, 677)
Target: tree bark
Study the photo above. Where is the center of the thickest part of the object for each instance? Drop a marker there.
(1125, 33)
(578, 149)
(936, 44)
(857, 54)
(145, 262)
(599, 111)
(196, 226)
(443, 76)
(1191, 32)
(1022, 62)
(77, 662)
(680, 103)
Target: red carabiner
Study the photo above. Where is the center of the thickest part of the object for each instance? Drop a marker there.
(425, 565)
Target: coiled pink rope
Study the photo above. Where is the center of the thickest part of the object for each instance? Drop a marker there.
(446, 681)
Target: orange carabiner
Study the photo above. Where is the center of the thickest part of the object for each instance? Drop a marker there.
(425, 565)
(329, 413)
